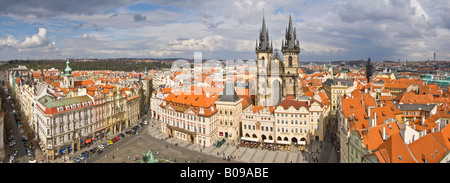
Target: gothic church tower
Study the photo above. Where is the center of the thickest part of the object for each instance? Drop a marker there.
(268, 80)
(291, 49)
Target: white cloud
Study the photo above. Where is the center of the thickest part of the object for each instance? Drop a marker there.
(10, 41)
(208, 43)
(37, 40)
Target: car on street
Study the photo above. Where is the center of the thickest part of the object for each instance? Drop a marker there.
(115, 139)
(93, 150)
(110, 142)
(145, 122)
(30, 152)
(26, 144)
(121, 135)
(12, 143)
(99, 151)
(106, 144)
(101, 146)
(24, 138)
(81, 157)
(86, 154)
(77, 159)
(16, 153)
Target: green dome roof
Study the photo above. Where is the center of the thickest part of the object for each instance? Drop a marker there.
(68, 70)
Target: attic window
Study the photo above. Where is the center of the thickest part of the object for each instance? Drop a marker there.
(400, 157)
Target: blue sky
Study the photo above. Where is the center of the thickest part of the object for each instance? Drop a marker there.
(327, 29)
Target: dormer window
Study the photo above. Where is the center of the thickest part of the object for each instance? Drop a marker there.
(202, 111)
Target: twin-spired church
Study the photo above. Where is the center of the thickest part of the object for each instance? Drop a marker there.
(277, 79)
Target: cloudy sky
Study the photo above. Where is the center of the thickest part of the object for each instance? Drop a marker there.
(227, 29)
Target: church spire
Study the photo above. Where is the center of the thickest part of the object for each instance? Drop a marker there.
(291, 41)
(264, 43)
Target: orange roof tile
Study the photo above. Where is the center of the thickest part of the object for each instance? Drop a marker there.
(372, 137)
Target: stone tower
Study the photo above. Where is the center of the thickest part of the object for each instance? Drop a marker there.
(291, 50)
(268, 80)
(68, 77)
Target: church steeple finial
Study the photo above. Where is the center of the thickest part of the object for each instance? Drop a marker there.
(264, 43)
(291, 41)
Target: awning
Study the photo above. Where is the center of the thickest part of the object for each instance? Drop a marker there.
(250, 139)
(69, 148)
(268, 141)
(62, 151)
(301, 143)
(283, 142)
(88, 141)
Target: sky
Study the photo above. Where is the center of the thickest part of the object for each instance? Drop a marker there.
(327, 30)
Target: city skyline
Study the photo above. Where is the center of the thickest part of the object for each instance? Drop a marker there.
(345, 30)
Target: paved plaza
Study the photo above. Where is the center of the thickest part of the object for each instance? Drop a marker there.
(150, 137)
(249, 155)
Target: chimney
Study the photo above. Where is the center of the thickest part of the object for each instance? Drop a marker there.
(423, 118)
(383, 133)
(374, 119)
(438, 124)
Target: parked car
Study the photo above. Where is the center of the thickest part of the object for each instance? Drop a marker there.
(110, 142)
(93, 150)
(11, 137)
(77, 159)
(99, 151)
(12, 143)
(26, 144)
(121, 135)
(86, 154)
(30, 152)
(24, 138)
(101, 146)
(115, 139)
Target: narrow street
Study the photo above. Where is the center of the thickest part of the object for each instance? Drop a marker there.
(22, 155)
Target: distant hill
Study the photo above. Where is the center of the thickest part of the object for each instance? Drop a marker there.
(92, 64)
